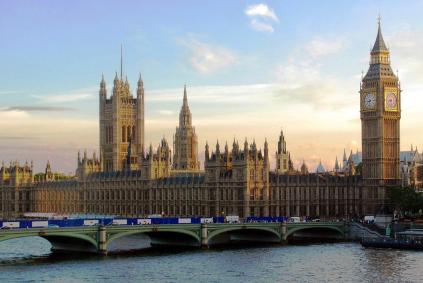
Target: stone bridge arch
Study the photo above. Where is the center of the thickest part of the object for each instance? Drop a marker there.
(247, 232)
(159, 236)
(336, 229)
(61, 241)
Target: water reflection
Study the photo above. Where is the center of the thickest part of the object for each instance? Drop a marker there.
(30, 259)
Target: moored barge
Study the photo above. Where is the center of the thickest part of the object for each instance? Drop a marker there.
(407, 240)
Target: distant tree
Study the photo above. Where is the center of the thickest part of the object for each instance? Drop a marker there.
(406, 200)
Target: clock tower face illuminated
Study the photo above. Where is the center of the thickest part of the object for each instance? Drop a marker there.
(380, 97)
(391, 101)
(370, 101)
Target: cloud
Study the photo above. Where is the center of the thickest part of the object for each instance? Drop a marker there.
(10, 92)
(262, 17)
(39, 108)
(261, 10)
(166, 112)
(71, 96)
(208, 58)
(249, 94)
(13, 115)
(321, 47)
(261, 26)
(16, 138)
(302, 80)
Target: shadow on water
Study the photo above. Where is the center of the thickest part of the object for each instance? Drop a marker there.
(53, 257)
(60, 256)
(314, 241)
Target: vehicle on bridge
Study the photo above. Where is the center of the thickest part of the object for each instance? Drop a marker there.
(63, 223)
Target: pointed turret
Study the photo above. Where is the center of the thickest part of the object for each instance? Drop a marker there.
(217, 147)
(281, 144)
(379, 59)
(290, 163)
(185, 142)
(304, 168)
(139, 132)
(185, 114)
(185, 103)
(103, 90)
(266, 150)
(206, 152)
(336, 165)
(245, 148)
(379, 43)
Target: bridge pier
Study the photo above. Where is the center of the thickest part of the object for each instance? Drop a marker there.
(204, 235)
(284, 233)
(102, 240)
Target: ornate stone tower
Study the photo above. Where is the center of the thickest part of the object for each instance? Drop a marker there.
(156, 165)
(248, 166)
(380, 106)
(185, 141)
(282, 156)
(121, 121)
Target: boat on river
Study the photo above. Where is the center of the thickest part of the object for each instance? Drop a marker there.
(407, 240)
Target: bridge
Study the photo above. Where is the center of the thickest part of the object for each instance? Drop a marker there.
(96, 239)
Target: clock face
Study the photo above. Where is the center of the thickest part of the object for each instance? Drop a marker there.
(370, 101)
(391, 101)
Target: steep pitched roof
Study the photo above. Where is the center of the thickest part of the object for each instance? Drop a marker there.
(379, 43)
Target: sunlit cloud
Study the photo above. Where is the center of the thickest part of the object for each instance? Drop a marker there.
(166, 112)
(321, 47)
(261, 26)
(261, 10)
(261, 17)
(208, 58)
(39, 108)
(71, 96)
(13, 115)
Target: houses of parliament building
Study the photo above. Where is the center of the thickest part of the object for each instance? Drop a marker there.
(129, 179)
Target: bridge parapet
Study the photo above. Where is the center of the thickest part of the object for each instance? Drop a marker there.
(97, 238)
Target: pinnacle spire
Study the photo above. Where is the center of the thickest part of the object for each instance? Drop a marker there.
(336, 164)
(379, 43)
(185, 95)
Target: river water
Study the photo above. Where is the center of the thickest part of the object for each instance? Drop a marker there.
(30, 260)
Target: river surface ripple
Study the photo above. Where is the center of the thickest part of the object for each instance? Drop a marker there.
(30, 260)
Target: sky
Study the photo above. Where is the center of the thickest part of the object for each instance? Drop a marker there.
(252, 69)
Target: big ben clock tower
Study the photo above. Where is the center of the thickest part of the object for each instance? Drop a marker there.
(380, 108)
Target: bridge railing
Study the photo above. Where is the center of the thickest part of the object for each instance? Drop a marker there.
(63, 223)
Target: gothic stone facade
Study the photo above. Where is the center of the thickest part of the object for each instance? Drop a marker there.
(236, 182)
(121, 125)
(233, 182)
